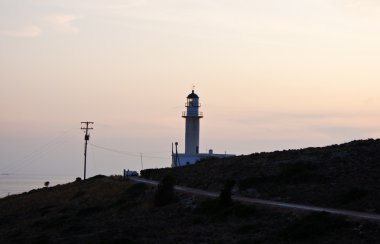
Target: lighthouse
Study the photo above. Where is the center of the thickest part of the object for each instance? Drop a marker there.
(192, 116)
(192, 155)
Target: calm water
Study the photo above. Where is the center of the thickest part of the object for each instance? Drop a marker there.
(15, 184)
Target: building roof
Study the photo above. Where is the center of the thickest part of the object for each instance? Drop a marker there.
(192, 95)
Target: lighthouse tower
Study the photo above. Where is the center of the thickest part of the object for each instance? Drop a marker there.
(192, 116)
(192, 154)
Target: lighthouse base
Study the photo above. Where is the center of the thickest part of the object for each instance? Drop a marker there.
(183, 159)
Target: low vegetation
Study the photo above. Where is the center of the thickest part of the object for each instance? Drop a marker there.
(165, 192)
(225, 197)
(312, 226)
(339, 176)
(112, 210)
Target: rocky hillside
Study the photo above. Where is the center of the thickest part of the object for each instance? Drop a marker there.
(340, 176)
(112, 210)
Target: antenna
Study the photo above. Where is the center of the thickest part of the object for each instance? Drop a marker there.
(176, 164)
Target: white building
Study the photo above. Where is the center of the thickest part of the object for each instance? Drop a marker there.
(192, 155)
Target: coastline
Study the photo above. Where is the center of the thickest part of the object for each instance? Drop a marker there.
(11, 184)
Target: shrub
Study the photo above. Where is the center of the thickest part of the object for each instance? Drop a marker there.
(225, 195)
(165, 192)
(97, 177)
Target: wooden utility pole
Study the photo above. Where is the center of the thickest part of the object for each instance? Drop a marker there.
(141, 161)
(86, 138)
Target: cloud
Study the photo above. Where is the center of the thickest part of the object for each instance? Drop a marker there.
(29, 31)
(62, 22)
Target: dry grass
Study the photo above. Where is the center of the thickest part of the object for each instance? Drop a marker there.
(110, 210)
(340, 176)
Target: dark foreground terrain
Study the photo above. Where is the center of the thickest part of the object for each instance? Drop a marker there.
(343, 176)
(111, 210)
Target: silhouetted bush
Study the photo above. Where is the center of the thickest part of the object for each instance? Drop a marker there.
(224, 206)
(165, 192)
(154, 173)
(225, 195)
(47, 183)
(78, 179)
(97, 177)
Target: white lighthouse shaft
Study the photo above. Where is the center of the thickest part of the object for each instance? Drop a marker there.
(192, 116)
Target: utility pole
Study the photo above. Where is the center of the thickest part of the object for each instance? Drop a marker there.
(86, 138)
(176, 164)
(141, 160)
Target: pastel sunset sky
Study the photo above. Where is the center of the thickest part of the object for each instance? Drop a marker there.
(271, 75)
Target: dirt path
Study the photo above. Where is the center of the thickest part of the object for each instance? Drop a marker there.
(300, 207)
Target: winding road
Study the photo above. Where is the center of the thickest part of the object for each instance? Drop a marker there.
(292, 206)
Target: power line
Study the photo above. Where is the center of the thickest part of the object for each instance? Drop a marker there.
(38, 153)
(137, 155)
(115, 151)
(29, 161)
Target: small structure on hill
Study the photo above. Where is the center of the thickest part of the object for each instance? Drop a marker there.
(192, 155)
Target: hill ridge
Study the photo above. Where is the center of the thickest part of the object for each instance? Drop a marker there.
(339, 176)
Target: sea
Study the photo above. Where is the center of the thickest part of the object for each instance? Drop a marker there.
(16, 184)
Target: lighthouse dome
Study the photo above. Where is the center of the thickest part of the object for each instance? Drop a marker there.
(192, 95)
